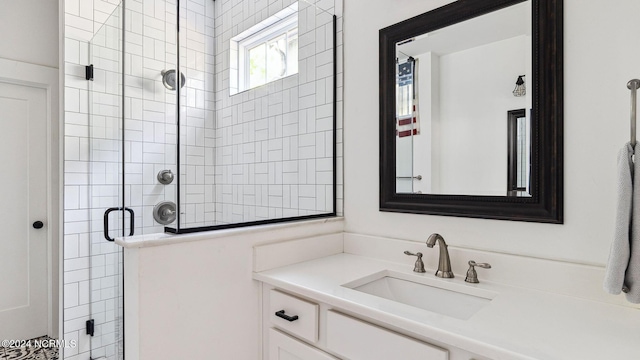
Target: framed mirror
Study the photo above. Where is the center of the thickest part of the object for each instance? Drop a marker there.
(471, 111)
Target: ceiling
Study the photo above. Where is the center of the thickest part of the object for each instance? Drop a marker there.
(489, 28)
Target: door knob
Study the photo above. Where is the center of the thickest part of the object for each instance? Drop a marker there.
(38, 224)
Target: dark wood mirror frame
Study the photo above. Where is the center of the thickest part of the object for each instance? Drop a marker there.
(546, 203)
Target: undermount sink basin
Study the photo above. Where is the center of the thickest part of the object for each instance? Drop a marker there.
(440, 296)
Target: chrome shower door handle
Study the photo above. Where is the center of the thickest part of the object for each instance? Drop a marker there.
(106, 221)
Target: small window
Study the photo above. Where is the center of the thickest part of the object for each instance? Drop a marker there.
(266, 52)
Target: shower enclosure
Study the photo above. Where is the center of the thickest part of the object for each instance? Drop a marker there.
(204, 115)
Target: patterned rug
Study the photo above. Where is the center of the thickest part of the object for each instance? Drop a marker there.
(33, 351)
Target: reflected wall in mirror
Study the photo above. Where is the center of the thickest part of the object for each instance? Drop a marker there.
(454, 86)
(519, 153)
(447, 79)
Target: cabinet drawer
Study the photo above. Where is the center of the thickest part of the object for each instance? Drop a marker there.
(284, 347)
(299, 318)
(357, 340)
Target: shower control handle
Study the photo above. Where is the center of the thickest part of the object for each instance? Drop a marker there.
(168, 212)
(164, 213)
(165, 177)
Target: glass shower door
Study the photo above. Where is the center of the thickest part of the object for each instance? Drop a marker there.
(106, 326)
(133, 136)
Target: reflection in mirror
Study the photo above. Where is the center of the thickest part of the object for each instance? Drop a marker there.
(453, 87)
(407, 126)
(519, 150)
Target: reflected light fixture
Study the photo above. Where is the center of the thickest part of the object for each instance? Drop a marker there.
(520, 89)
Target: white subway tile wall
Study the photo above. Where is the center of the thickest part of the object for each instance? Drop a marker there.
(197, 124)
(260, 154)
(273, 144)
(150, 108)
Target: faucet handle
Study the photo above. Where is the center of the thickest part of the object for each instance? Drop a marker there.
(472, 275)
(419, 265)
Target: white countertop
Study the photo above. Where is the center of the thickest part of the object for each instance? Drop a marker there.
(519, 323)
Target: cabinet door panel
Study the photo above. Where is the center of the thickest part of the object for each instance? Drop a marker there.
(284, 347)
(357, 340)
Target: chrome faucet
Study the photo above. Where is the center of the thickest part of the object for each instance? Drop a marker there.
(444, 263)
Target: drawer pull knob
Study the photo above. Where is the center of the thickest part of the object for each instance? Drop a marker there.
(281, 314)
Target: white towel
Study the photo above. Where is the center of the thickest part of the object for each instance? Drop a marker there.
(632, 275)
(623, 267)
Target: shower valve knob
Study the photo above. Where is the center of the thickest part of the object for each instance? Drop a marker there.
(165, 212)
(165, 177)
(169, 79)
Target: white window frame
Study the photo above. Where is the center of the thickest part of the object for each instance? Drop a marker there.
(275, 26)
(276, 30)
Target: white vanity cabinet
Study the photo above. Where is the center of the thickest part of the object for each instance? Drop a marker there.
(323, 332)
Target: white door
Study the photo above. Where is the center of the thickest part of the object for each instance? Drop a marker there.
(23, 194)
(284, 347)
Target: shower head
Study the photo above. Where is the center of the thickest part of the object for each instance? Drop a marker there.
(169, 79)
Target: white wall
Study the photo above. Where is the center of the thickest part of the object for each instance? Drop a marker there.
(599, 59)
(475, 94)
(29, 31)
(199, 293)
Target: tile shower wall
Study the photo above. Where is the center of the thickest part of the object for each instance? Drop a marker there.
(197, 137)
(273, 144)
(150, 108)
